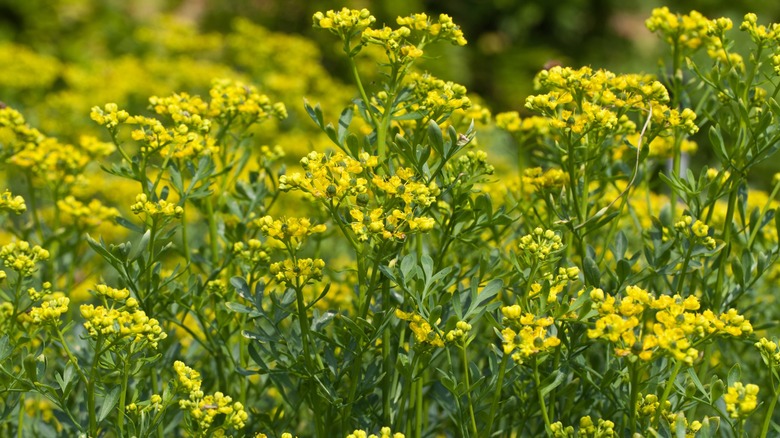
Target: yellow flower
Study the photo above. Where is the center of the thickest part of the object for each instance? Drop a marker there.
(298, 272)
(423, 331)
(161, 208)
(741, 399)
(12, 203)
(346, 21)
(22, 257)
(50, 311)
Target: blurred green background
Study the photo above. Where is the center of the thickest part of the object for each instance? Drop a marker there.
(508, 40)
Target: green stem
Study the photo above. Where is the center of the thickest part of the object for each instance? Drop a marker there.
(686, 261)
(156, 390)
(768, 416)
(93, 429)
(212, 232)
(542, 404)
(120, 416)
(303, 321)
(418, 418)
(387, 360)
(667, 391)
(185, 244)
(726, 238)
(497, 394)
(632, 369)
(467, 379)
(677, 90)
(359, 83)
(34, 211)
(20, 426)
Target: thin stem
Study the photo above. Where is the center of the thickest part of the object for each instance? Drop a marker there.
(667, 391)
(542, 404)
(726, 238)
(303, 321)
(359, 83)
(155, 390)
(20, 420)
(769, 412)
(497, 393)
(120, 417)
(185, 244)
(464, 356)
(632, 369)
(93, 430)
(212, 232)
(418, 418)
(686, 261)
(387, 360)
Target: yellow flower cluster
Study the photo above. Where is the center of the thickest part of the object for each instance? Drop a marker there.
(53, 161)
(661, 147)
(291, 230)
(50, 310)
(232, 102)
(402, 186)
(697, 232)
(439, 29)
(109, 116)
(557, 282)
(94, 147)
(583, 100)
(690, 30)
(114, 294)
(231, 99)
(337, 179)
(539, 245)
(154, 210)
(12, 203)
(184, 109)
(297, 272)
(346, 22)
(769, 352)
(85, 216)
(545, 181)
(332, 177)
(741, 400)
(153, 404)
(251, 252)
(25, 69)
(647, 405)
(435, 98)
(461, 329)
(395, 224)
(528, 335)
(22, 257)
(36, 295)
(394, 42)
(675, 328)
(125, 323)
(601, 429)
(760, 34)
(424, 333)
(472, 163)
(204, 409)
(385, 432)
(19, 134)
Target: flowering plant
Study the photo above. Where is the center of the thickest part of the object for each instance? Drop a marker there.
(181, 278)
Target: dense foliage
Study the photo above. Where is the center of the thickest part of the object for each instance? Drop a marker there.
(270, 252)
